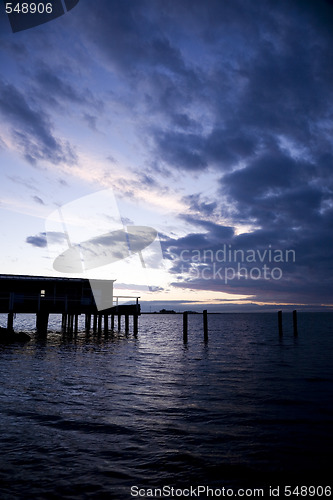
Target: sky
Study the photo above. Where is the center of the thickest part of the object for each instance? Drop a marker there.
(209, 122)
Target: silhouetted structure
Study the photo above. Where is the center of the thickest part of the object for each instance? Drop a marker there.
(70, 297)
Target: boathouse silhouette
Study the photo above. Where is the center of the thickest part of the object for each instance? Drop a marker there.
(69, 297)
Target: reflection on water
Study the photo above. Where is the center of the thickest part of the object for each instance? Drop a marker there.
(88, 416)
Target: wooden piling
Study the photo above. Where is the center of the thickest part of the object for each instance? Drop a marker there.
(99, 324)
(88, 323)
(126, 322)
(63, 322)
(112, 322)
(106, 324)
(119, 322)
(76, 327)
(70, 323)
(205, 325)
(135, 324)
(42, 320)
(185, 315)
(95, 323)
(280, 323)
(295, 323)
(10, 322)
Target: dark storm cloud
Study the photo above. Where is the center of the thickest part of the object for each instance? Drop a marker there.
(183, 151)
(37, 241)
(200, 261)
(55, 89)
(221, 148)
(239, 90)
(130, 38)
(274, 189)
(261, 71)
(196, 204)
(217, 232)
(32, 129)
(138, 48)
(275, 122)
(295, 214)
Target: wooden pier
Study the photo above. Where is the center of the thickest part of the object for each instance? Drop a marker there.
(69, 297)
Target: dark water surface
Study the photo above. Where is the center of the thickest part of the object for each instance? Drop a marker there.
(89, 417)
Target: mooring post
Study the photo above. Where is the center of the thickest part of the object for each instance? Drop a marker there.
(88, 322)
(71, 323)
(126, 323)
(112, 322)
(205, 325)
(119, 322)
(99, 323)
(185, 314)
(10, 319)
(63, 322)
(42, 319)
(135, 324)
(280, 323)
(10, 322)
(295, 323)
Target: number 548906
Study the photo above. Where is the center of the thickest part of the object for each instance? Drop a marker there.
(28, 8)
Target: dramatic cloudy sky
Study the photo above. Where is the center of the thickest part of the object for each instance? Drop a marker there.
(209, 121)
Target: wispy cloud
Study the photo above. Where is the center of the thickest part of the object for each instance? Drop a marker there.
(31, 129)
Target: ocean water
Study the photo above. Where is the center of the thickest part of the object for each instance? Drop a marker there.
(94, 416)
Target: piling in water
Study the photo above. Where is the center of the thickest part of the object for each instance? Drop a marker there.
(63, 322)
(87, 322)
(185, 315)
(295, 323)
(99, 324)
(280, 323)
(42, 319)
(135, 324)
(10, 321)
(205, 325)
